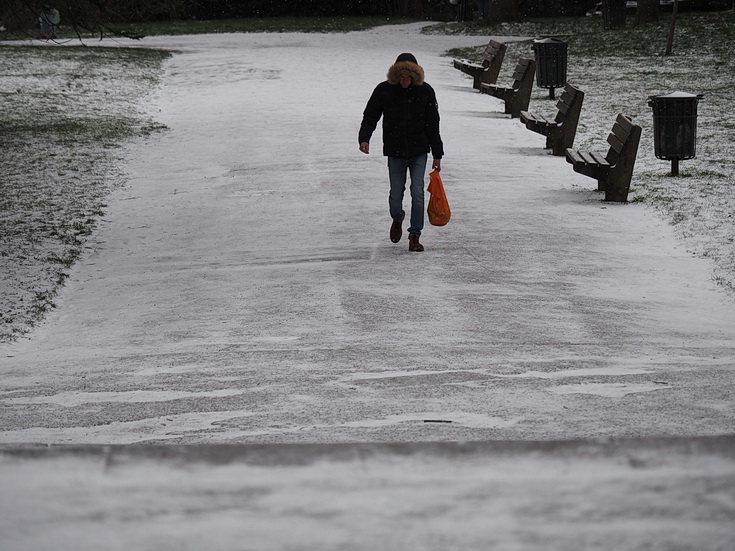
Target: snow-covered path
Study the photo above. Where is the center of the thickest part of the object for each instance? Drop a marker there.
(244, 289)
(636, 495)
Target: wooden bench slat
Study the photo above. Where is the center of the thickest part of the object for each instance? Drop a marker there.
(613, 171)
(621, 133)
(566, 95)
(540, 120)
(625, 122)
(584, 157)
(492, 49)
(615, 143)
(599, 159)
(464, 63)
(574, 157)
(587, 157)
(521, 69)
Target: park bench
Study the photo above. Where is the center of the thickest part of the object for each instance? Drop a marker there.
(518, 96)
(613, 171)
(489, 69)
(560, 131)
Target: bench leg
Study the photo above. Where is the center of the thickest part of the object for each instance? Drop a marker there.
(616, 185)
(560, 144)
(616, 196)
(617, 189)
(556, 142)
(508, 106)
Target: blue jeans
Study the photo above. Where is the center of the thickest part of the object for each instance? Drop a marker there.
(397, 168)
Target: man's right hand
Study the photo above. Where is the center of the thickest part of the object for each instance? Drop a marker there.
(365, 147)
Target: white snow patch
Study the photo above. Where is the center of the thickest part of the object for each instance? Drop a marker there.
(609, 390)
(163, 427)
(73, 399)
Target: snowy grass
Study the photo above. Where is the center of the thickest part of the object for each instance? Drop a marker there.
(618, 71)
(67, 111)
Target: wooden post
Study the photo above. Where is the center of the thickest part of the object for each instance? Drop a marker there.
(670, 41)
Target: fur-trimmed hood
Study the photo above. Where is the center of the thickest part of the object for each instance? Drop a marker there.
(417, 72)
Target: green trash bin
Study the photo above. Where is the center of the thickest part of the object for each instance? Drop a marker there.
(551, 63)
(675, 127)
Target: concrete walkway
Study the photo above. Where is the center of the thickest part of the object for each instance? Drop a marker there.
(243, 291)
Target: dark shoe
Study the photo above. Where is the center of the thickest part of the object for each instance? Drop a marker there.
(395, 230)
(413, 243)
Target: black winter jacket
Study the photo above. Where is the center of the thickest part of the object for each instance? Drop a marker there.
(410, 119)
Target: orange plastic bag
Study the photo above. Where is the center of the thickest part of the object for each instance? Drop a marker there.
(438, 210)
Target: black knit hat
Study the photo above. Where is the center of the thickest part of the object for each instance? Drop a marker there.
(407, 57)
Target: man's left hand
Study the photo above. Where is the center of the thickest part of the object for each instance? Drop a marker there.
(437, 165)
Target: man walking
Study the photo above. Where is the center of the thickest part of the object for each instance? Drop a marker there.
(410, 130)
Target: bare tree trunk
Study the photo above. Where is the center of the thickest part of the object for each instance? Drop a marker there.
(408, 8)
(501, 11)
(670, 41)
(647, 12)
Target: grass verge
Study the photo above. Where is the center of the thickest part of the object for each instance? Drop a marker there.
(66, 113)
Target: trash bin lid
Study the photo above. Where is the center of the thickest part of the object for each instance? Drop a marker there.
(678, 95)
(547, 40)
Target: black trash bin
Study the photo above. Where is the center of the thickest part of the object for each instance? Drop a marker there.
(551, 63)
(675, 127)
(613, 14)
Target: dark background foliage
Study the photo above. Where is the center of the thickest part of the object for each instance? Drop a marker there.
(92, 14)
